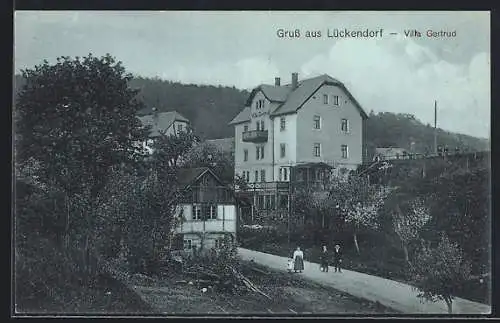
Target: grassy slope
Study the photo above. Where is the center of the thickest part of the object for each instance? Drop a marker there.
(48, 282)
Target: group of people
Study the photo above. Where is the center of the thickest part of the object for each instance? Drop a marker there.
(296, 263)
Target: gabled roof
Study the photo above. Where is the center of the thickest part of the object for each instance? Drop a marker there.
(161, 121)
(292, 100)
(305, 89)
(272, 93)
(243, 116)
(187, 176)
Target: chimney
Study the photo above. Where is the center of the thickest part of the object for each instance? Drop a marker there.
(295, 80)
(277, 81)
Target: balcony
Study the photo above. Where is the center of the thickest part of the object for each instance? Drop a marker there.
(256, 136)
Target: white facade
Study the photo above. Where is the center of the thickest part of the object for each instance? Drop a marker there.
(339, 136)
(208, 232)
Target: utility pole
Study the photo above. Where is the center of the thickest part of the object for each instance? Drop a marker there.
(435, 128)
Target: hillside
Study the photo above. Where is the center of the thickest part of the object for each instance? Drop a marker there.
(210, 108)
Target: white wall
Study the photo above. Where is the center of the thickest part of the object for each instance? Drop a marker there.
(253, 164)
(330, 135)
(289, 138)
(226, 212)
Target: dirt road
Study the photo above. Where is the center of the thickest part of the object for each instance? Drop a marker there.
(290, 294)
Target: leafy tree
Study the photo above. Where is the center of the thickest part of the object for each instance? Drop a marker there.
(407, 225)
(359, 204)
(460, 206)
(138, 213)
(77, 119)
(204, 154)
(172, 150)
(440, 271)
(240, 183)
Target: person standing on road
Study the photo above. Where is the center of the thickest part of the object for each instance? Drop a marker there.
(337, 258)
(298, 258)
(324, 259)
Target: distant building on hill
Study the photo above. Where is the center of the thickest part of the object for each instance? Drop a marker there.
(162, 123)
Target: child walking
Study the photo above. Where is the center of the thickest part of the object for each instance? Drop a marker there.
(290, 265)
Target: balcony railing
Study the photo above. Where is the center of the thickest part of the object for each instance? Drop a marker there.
(255, 136)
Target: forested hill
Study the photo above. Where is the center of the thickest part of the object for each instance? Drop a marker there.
(210, 108)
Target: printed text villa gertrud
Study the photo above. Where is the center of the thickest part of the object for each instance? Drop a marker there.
(360, 33)
(331, 33)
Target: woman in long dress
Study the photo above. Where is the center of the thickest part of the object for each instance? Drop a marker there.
(298, 259)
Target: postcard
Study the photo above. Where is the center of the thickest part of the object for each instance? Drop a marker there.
(251, 163)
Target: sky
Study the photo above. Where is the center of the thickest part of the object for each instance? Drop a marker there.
(391, 73)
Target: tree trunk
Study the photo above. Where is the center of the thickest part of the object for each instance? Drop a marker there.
(405, 250)
(449, 304)
(355, 236)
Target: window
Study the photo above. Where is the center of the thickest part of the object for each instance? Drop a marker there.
(248, 176)
(260, 201)
(272, 202)
(262, 125)
(258, 125)
(335, 100)
(211, 212)
(256, 104)
(283, 201)
(283, 174)
(345, 125)
(261, 152)
(256, 179)
(282, 123)
(245, 128)
(197, 212)
(263, 175)
(188, 244)
(317, 122)
(345, 151)
(282, 150)
(245, 154)
(219, 243)
(325, 98)
(317, 150)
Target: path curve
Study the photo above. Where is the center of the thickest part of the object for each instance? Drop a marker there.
(396, 295)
